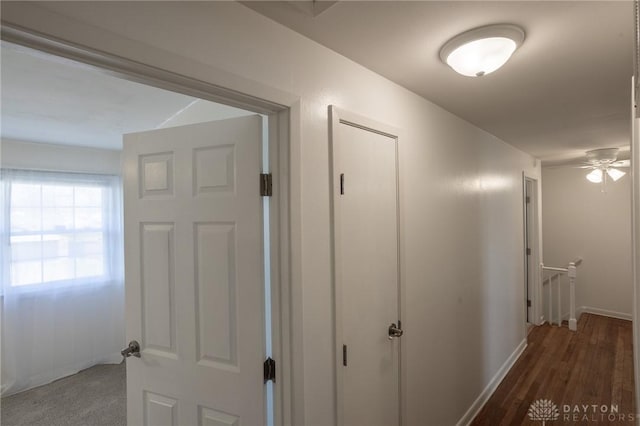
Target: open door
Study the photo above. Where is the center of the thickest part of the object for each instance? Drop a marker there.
(194, 275)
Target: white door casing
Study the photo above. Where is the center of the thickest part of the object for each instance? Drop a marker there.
(194, 274)
(366, 270)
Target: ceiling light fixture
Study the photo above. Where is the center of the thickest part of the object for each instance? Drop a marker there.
(604, 164)
(595, 176)
(482, 50)
(615, 174)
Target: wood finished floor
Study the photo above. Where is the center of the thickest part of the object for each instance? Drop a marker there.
(591, 366)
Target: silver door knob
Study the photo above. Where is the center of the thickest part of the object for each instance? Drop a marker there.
(395, 331)
(132, 350)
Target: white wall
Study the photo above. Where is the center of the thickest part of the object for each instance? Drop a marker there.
(578, 220)
(461, 188)
(39, 156)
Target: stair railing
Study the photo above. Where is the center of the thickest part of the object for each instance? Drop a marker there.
(556, 273)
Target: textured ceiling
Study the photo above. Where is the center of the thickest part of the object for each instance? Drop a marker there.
(565, 91)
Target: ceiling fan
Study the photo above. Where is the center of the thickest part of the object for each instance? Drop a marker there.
(604, 164)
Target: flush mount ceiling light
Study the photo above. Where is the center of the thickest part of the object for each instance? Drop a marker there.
(482, 50)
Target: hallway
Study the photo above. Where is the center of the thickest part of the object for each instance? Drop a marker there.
(466, 145)
(573, 370)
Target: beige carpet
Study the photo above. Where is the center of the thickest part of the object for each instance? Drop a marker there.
(93, 397)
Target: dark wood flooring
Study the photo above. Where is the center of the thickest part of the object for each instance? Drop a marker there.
(591, 366)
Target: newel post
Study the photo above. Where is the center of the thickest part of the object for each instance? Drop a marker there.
(572, 273)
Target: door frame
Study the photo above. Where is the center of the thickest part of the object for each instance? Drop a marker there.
(535, 290)
(339, 116)
(284, 114)
(635, 215)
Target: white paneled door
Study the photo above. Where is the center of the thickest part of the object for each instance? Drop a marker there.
(194, 274)
(366, 272)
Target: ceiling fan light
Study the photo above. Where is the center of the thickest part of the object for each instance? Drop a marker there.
(482, 50)
(615, 174)
(595, 176)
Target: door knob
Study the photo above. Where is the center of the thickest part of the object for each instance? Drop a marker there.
(132, 350)
(395, 331)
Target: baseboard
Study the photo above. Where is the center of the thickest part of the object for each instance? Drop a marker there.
(597, 311)
(477, 405)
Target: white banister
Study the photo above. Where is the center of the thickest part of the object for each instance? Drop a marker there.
(571, 272)
(549, 291)
(559, 290)
(550, 279)
(551, 268)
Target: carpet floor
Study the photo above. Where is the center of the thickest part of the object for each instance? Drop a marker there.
(93, 397)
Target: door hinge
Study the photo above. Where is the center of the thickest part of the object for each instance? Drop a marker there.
(341, 183)
(269, 370)
(266, 185)
(344, 355)
(528, 199)
(528, 303)
(528, 252)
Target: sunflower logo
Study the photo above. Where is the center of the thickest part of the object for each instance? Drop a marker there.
(543, 410)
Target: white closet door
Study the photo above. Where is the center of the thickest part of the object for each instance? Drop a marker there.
(367, 275)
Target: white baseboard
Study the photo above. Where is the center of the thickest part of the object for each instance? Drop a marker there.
(597, 311)
(477, 405)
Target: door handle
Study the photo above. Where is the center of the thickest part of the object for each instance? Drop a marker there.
(132, 350)
(395, 331)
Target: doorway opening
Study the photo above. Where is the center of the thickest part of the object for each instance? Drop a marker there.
(56, 245)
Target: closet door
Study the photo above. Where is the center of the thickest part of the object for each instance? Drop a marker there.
(366, 249)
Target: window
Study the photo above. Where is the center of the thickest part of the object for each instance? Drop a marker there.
(60, 227)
